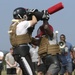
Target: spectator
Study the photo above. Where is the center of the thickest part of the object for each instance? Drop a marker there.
(1, 61)
(34, 55)
(73, 61)
(37, 62)
(65, 57)
(10, 63)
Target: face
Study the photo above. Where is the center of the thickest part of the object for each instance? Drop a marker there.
(11, 51)
(62, 38)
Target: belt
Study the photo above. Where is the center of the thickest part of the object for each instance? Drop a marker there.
(23, 45)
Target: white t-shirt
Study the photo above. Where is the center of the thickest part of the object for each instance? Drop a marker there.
(22, 27)
(54, 40)
(1, 55)
(74, 48)
(34, 54)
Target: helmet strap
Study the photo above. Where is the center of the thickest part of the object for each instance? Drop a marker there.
(19, 16)
(25, 17)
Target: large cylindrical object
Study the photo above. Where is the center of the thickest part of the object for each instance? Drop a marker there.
(55, 8)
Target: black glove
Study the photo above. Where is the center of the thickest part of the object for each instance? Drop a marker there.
(31, 11)
(45, 15)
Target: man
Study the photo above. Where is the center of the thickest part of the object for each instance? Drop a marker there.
(48, 48)
(65, 56)
(73, 60)
(34, 55)
(10, 63)
(37, 62)
(20, 37)
(1, 61)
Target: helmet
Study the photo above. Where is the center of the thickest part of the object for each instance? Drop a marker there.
(18, 13)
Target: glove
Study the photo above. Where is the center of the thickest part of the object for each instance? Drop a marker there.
(45, 15)
(31, 11)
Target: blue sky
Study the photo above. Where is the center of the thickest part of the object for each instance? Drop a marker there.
(63, 20)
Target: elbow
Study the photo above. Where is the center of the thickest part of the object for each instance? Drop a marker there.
(46, 27)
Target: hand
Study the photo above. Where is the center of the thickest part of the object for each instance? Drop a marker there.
(38, 63)
(45, 15)
(14, 65)
(31, 11)
(11, 66)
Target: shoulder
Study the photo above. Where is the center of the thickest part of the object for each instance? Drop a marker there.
(7, 54)
(68, 43)
(74, 48)
(1, 53)
(31, 49)
(24, 23)
(37, 47)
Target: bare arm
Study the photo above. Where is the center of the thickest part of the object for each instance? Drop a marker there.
(48, 31)
(73, 56)
(33, 21)
(15, 64)
(8, 63)
(47, 28)
(39, 60)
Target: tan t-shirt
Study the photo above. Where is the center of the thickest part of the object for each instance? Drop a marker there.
(10, 59)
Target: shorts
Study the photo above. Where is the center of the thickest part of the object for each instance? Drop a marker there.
(73, 66)
(1, 66)
(52, 64)
(35, 65)
(41, 68)
(11, 70)
(53, 69)
(67, 67)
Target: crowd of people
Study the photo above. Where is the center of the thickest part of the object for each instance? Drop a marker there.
(42, 54)
(66, 58)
